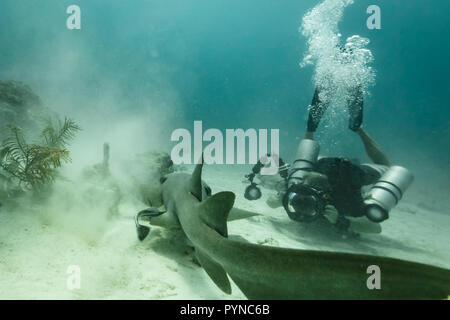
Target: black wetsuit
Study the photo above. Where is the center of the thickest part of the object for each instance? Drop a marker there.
(346, 180)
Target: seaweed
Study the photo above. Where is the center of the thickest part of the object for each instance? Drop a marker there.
(59, 134)
(33, 165)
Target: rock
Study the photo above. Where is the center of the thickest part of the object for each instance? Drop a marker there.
(20, 106)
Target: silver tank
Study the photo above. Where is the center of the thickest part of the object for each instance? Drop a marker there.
(389, 189)
(307, 154)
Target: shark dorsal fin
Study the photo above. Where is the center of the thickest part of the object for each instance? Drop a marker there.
(215, 210)
(195, 184)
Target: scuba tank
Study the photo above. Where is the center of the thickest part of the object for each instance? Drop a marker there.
(387, 192)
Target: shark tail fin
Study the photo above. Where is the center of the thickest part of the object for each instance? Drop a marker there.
(215, 271)
(195, 184)
(215, 210)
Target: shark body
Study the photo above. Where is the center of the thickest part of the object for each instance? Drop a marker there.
(264, 272)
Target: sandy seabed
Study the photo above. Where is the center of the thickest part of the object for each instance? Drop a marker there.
(36, 247)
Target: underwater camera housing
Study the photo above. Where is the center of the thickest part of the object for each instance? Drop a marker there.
(301, 202)
(387, 192)
(304, 203)
(252, 192)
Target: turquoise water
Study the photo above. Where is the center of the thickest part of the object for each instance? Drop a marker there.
(233, 64)
(137, 70)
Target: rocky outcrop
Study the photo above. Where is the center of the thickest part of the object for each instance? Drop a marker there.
(20, 106)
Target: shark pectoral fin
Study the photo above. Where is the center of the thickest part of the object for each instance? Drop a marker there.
(364, 225)
(195, 183)
(215, 271)
(215, 209)
(237, 214)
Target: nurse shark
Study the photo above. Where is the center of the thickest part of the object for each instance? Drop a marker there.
(265, 272)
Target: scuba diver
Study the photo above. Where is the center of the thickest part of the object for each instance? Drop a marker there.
(336, 188)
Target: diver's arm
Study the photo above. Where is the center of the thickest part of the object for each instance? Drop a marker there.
(373, 150)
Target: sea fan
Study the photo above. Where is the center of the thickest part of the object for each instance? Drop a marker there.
(58, 135)
(34, 165)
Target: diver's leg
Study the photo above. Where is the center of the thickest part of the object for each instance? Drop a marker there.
(373, 150)
(316, 111)
(309, 135)
(355, 102)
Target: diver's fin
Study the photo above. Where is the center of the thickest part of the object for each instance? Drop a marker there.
(195, 184)
(363, 225)
(237, 214)
(215, 209)
(215, 271)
